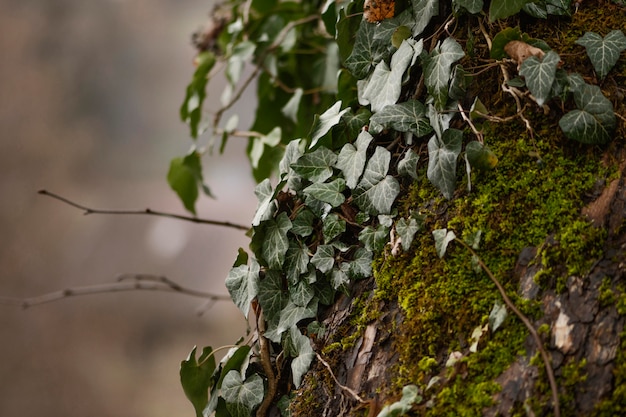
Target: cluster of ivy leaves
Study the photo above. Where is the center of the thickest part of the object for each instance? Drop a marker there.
(331, 207)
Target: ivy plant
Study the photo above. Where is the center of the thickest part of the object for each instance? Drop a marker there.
(349, 112)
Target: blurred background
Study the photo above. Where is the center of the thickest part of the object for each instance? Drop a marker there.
(89, 97)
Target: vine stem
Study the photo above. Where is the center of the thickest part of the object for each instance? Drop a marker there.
(527, 323)
(147, 211)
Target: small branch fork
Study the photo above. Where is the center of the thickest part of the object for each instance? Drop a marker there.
(147, 211)
(125, 282)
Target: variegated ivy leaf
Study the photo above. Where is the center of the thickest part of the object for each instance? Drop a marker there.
(408, 165)
(593, 121)
(361, 265)
(266, 207)
(339, 276)
(442, 238)
(603, 52)
(324, 258)
(367, 51)
(374, 239)
(293, 151)
(383, 87)
(539, 75)
(316, 166)
(271, 296)
(276, 243)
(377, 191)
(242, 283)
(424, 10)
(406, 230)
(332, 227)
(442, 156)
(301, 293)
(409, 116)
(472, 6)
(324, 122)
(437, 69)
(260, 144)
(304, 355)
(296, 260)
(501, 9)
(242, 396)
(290, 110)
(302, 225)
(293, 313)
(328, 192)
(387, 27)
(351, 159)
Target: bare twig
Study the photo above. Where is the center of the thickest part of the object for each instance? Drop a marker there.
(147, 211)
(478, 134)
(544, 355)
(139, 282)
(349, 390)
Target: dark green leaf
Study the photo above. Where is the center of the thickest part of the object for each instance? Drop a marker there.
(351, 160)
(442, 156)
(437, 69)
(347, 27)
(367, 51)
(234, 359)
(276, 243)
(333, 226)
(442, 238)
(242, 283)
(339, 276)
(480, 156)
(191, 109)
(361, 265)
(296, 260)
(424, 11)
(472, 6)
(409, 116)
(328, 192)
(539, 75)
(500, 9)
(406, 230)
(501, 39)
(242, 396)
(603, 52)
(293, 313)
(316, 166)
(302, 225)
(374, 239)
(185, 177)
(305, 354)
(266, 207)
(324, 258)
(301, 293)
(272, 298)
(594, 121)
(195, 377)
(408, 165)
(377, 191)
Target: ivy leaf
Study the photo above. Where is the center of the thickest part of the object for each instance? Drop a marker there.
(260, 144)
(290, 110)
(184, 177)
(437, 69)
(305, 354)
(351, 159)
(242, 283)
(374, 239)
(265, 208)
(383, 88)
(367, 51)
(442, 156)
(324, 122)
(296, 260)
(271, 296)
(497, 315)
(276, 243)
(348, 24)
(409, 116)
(293, 151)
(408, 165)
(480, 156)
(316, 166)
(442, 238)
(328, 192)
(424, 10)
(406, 230)
(195, 377)
(242, 396)
(500, 9)
(350, 126)
(410, 396)
(361, 265)
(293, 313)
(339, 276)
(472, 6)
(388, 27)
(301, 293)
(240, 55)
(332, 227)
(324, 258)
(603, 52)
(191, 109)
(593, 121)
(539, 75)
(377, 191)
(302, 225)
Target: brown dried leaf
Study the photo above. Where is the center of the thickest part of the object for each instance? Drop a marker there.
(519, 51)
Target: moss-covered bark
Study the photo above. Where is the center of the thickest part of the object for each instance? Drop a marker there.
(551, 216)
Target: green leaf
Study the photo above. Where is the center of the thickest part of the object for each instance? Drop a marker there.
(603, 52)
(301, 293)
(377, 191)
(437, 69)
(539, 75)
(472, 6)
(339, 276)
(266, 207)
(328, 192)
(302, 225)
(324, 122)
(240, 54)
(305, 354)
(296, 260)
(242, 283)
(276, 243)
(410, 396)
(367, 51)
(442, 156)
(242, 258)
(442, 238)
(348, 24)
(351, 160)
(409, 116)
(501, 39)
(332, 227)
(361, 265)
(374, 239)
(424, 10)
(406, 231)
(196, 376)
(324, 258)
(350, 126)
(272, 297)
(242, 396)
(290, 110)
(385, 84)
(459, 83)
(408, 164)
(480, 156)
(501, 9)
(594, 121)
(185, 177)
(263, 143)
(191, 109)
(293, 313)
(236, 358)
(316, 166)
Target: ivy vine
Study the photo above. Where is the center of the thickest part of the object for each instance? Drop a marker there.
(327, 184)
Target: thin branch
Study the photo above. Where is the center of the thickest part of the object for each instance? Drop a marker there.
(478, 134)
(147, 211)
(527, 323)
(139, 282)
(347, 389)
